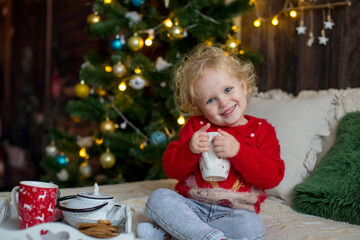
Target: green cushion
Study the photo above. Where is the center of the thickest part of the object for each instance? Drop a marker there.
(333, 189)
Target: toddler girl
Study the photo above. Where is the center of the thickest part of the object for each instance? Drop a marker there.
(214, 87)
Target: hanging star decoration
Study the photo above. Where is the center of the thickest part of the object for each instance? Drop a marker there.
(301, 30)
(292, 8)
(323, 39)
(329, 23)
(310, 41)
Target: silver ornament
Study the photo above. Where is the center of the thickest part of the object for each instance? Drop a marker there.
(51, 149)
(137, 82)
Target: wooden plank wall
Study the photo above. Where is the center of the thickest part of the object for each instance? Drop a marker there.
(27, 93)
(69, 43)
(69, 33)
(291, 65)
(22, 61)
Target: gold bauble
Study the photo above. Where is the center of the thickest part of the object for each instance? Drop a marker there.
(176, 33)
(231, 45)
(107, 126)
(93, 18)
(119, 69)
(82, 90)
(107, 159)
(135, 42)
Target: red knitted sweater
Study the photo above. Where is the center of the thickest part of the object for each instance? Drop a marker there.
(256, 167)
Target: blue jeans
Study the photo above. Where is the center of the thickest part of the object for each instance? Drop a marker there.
(185, 218)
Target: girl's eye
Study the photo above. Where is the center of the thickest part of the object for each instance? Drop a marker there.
(227, 90)
(211, 100)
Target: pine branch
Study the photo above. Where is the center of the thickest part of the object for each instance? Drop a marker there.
(89, 108)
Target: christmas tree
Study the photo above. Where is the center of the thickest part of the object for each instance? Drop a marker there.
(128, 92)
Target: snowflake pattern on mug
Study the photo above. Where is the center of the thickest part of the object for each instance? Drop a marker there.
(36, 205)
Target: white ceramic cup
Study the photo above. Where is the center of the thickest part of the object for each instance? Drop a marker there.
(213, 168)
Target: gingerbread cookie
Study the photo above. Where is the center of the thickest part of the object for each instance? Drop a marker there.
(101, 229)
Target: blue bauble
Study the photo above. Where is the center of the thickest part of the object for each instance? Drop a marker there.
(157, 138)
(137, 3)
(62, 160)
(116, 44)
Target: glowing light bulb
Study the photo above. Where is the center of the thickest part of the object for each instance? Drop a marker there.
(232, 45)
(122, 86)
(181, 120)
(96, 18)
(107, 1)
(208, 42)
(148, 41)
(108, 69)
(293, 13)
(99, 141)
(275, 21)
(82, 152)
(257, 22)
(137, 70)
(168, 23)
(242, 52)
(143, 145)
(101, 91)
(234, 28)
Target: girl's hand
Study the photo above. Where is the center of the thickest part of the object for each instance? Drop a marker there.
(199, 140)
(225, 145)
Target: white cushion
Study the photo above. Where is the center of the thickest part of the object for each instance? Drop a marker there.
(300, 125)
(346, 100)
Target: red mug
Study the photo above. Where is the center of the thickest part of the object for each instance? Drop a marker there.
(35, 202)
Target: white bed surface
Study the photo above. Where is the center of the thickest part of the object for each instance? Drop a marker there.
(281, 221)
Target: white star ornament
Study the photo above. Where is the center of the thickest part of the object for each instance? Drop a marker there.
(301, 30)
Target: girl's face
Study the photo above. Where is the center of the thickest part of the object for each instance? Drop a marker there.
(221, 97)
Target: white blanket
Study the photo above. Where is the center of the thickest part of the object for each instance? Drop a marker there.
(281, 221)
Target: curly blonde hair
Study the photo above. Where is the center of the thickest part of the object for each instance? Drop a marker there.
(193, 66)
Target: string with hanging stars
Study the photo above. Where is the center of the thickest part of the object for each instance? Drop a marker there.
(292, 8)
(311, 38)
(323, 39)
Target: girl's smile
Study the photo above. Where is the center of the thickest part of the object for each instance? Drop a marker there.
(221, 97)
(229, 111)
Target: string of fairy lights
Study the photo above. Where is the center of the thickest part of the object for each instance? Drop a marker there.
(295, 8)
